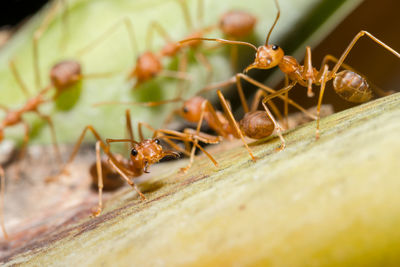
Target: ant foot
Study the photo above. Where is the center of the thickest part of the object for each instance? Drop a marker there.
(96, 212)
(280, 148)
(184, 170)
(317, 135)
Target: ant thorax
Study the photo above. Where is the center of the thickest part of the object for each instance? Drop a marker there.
(267, 56)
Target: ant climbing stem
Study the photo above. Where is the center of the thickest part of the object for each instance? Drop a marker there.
(188, 136)
(143, 154)
(53, 10)
(148, 64)
(15, 116)
(348, 84)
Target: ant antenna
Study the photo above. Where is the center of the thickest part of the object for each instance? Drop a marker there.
(222, 41)
(276, 20)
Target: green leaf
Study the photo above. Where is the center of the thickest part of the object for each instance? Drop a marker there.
(310, 19)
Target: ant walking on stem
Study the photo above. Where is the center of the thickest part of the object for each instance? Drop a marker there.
(142, 154)
(254, 125)
(347, 84)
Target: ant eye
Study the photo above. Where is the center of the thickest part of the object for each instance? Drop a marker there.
(275, 47)
(185, 109)
(134, 152)
(157, 141)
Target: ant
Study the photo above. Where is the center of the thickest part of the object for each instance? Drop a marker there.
(254, 125)
(15, 117)
(348, 84)
(233, 24)
(142, 155)
(66, 73)
(148, 64)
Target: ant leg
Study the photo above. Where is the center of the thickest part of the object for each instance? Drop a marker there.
(99, 180)
(308, 72)
(156, 133)
(143, 104)
(79, 142)
(241, 94)
(277, 94)
(2, 192)
(129, 125)
(286, 104)
(182, 67)
(233, 123)
(18, 78)
(225, 84)
(25, 141)
(222, 41)
(257, 99)
(278, 128)
(196, 141)
(218, 124)
(156, 27)
(324, 78)
(64, 25)
(204, 61)
(186, 14)
(351, 45)
(126, 178)
(129, 28)
(37, 35)
(53, 135)
(200, 12)
(175, 74)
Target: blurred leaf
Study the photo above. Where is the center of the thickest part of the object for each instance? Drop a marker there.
(89, 18)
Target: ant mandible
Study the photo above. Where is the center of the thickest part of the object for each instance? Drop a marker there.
(347, 84)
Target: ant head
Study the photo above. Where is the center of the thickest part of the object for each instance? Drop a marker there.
(148, 65)
(65, 74)
(268, 56)
(147, 152)
(191, 109)
(237, 23)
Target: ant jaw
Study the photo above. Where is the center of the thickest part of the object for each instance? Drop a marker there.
(252, 66)
(146, 167)
(171, 153)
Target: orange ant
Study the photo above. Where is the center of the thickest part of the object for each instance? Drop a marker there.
(142, 155)
(233, 24)
(255, 124)
(15, 117)
(66, 73)
(347, 84)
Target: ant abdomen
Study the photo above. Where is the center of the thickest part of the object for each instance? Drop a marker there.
(352, 87)
(257, 125)
(237, 23)
(111, 179)
(65, 74)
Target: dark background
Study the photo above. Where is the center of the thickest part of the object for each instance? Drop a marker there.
(15, 11)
